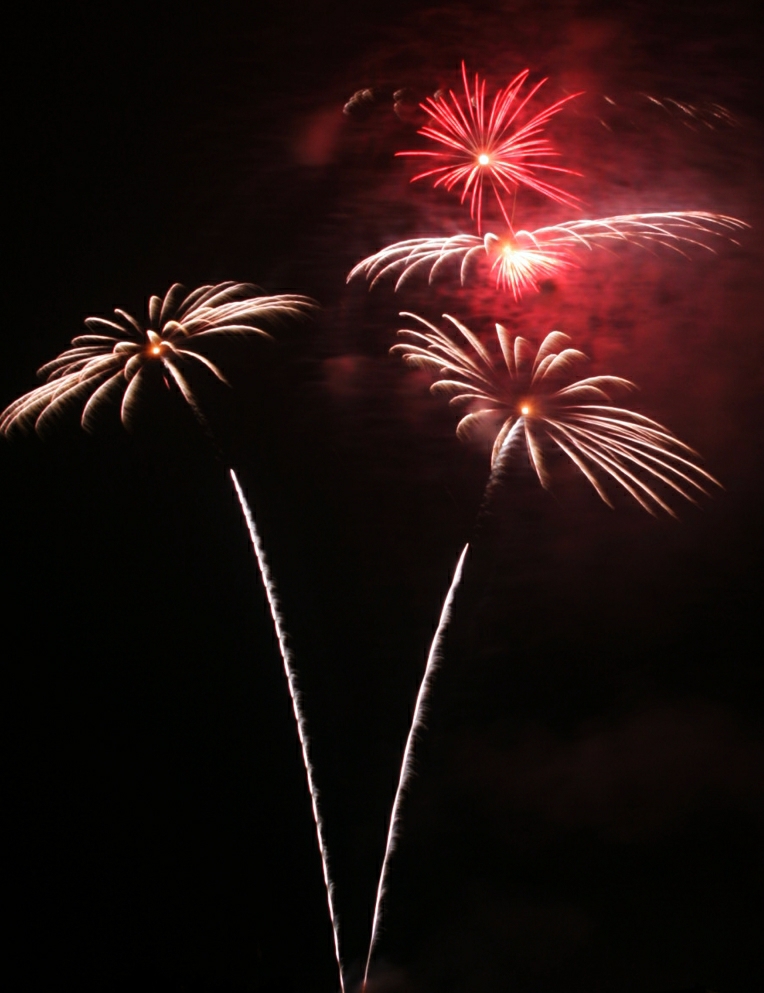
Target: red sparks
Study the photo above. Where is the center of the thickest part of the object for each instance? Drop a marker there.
(490, 146)
(521, 268)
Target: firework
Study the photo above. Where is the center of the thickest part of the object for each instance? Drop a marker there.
(434, 659)
(491, 146)
(111, 360)
(534, 400)
(115, 357)
(520, 261)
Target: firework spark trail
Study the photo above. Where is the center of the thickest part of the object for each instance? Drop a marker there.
(522, 259)
(482, 146)
(294, 693)
(407, 765)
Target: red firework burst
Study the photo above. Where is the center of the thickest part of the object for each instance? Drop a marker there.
(489, 146)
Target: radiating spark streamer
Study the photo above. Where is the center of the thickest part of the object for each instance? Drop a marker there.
(535, 396)
(294, 693)
(111, 359)
(434, 659)
(491, 147)
(521, 260)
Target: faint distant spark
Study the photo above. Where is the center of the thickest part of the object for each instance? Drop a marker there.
(522, 260)
(532, 399)
(294, 693)
(491, 146)
(113, 359)
(709, 115)
(434, 659)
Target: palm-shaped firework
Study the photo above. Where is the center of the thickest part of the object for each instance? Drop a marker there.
(493, 146)
(535, 402)
(531, 398)
(521, 260)
(115, 358)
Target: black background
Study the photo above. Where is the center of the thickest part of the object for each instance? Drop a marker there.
(587, 809)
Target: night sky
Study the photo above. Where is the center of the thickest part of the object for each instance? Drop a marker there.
(587, 811)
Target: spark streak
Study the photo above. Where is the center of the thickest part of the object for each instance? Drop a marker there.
(294, 693)
(521, 260)
(434, 659)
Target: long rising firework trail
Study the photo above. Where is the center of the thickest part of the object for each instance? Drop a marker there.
(407, 765)
(294, 693)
